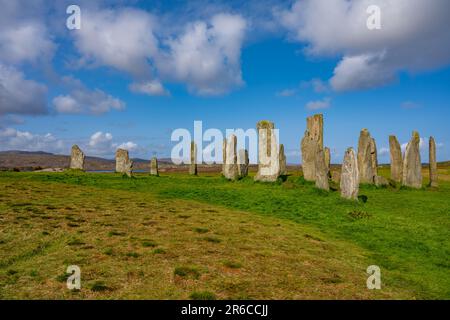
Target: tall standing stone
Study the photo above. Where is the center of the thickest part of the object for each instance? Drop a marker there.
(321, 171)
(396, 159)
(231, 166)
(311, 143)
(350, 176)
(123, 163)
(327, 155)
(268, 153)
(224, 155)
(76, 158)
(367, 158)
(412, 166)
(243, 163)
(433, 164)
(154, 167)
(193, 164)
(282, 157)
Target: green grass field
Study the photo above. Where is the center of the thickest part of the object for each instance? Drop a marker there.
(182, 237)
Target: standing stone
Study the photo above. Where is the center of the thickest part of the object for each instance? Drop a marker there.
(123, 163)
(311, 143)
(193, 164)
(396, 159)
(224, 155)
(268, 153)
(412, 166)
(231, 166)
(350, 176)
(243, 163)
(367, 158)
(321, 171)
(327, 154)
(282, 157)
(154, 167)
(76, 158)
(433, 164)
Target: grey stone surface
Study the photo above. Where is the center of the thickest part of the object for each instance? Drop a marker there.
(193, 160)
(243, 162)
(321, 171)
(412, 166)
(231, 171)
(433, 164)
(396, 159)
(123, 163)
(367, 158)
(268, 153)
(154, 167)
(311, 143)
(350, 176)
(76, 158)
(327, 154)
(282, 158)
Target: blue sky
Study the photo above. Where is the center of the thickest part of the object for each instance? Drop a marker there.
(136, 71)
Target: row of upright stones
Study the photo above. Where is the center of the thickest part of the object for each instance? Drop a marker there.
(356, 169)
(363, 167)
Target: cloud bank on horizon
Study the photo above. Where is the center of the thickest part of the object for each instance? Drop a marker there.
(198, 47)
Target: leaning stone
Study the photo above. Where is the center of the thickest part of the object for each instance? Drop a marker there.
(76, 158)
(268, 153)
(154, 167)
(350, 176)
(396, 159)
(231, 165)
(243, 163)
(193, 163)
(123, 163)
(433, 164)
(412, 166)
(311, 143)
(282, 157)
(367, 158)
(321, 171)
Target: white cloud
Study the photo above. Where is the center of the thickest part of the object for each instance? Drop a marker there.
(316, 84)
(84, 100)
(24, 36)
(207, 56)
(122, 39)
(287, 93)
(151, 88)
(371, 58)
(319, 104)
(383, 151)
(12, 139)
(102, 144)
(19, 95)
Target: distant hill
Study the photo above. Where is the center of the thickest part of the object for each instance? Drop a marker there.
(30, 161)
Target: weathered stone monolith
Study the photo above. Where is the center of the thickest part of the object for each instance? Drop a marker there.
(367, 158)
(311, 143)
(123, 163)
(350, 176)
(396, 159)
(231, 167)
(327, 154)
(243, 163)
(321, 171)
(282, 157)
(193, 164)
(154, 167)
(412, 166)
(224, 155)
(268, 153)
(76, 158)
(433, 164)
